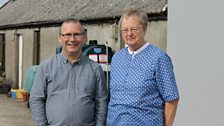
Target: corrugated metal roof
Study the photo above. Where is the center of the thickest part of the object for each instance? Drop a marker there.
(34, 11)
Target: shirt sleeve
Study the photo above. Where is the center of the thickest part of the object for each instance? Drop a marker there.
(166, 79)
(101, 98)
(37, 98)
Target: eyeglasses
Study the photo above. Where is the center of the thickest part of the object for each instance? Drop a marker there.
(132, 29)
(75, 35)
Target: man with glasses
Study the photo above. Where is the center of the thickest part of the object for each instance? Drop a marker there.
(142, 83)
(69, 89)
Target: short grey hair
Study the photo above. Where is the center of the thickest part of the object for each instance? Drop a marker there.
(131, 11)
(69, 20)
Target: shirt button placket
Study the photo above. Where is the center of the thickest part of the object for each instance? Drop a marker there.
(73, 82)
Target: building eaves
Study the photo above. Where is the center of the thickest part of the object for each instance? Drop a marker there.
(33, 13)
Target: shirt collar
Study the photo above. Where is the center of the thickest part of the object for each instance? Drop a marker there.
(139, 50)
(66, 60)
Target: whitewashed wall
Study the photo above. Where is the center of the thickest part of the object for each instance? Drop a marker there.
(156, 34)
(195, 43)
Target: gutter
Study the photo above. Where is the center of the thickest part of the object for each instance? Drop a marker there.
(55, 23)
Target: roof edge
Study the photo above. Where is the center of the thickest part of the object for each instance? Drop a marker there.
(54, 23)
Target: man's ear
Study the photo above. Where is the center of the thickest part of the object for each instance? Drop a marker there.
(59, 39)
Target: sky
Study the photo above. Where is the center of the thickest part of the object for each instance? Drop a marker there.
(2, 2)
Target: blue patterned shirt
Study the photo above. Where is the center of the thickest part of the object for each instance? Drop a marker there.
(139, 87)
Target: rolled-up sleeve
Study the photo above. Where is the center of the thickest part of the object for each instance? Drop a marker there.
(38, 98)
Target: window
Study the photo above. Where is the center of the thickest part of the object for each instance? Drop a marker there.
(2, 52)
(36, 48)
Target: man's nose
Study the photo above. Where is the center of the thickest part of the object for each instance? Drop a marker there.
(72, 38)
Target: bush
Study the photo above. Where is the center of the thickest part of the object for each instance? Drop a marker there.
(5, 85)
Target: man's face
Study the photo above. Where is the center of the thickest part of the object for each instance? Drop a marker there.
(72, 38)
(132, 32)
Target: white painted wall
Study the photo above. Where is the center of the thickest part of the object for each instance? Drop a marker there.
(48, 42)
(196, 46)
(103, 33)
(157, 33)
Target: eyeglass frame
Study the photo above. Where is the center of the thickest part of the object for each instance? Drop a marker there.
(75, 35)
(132, 29)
